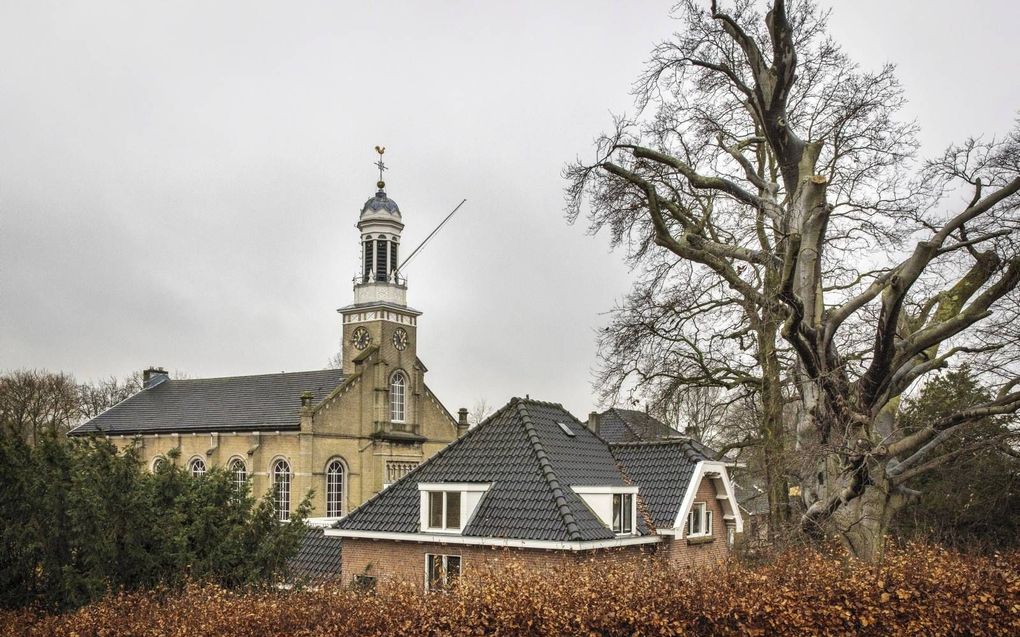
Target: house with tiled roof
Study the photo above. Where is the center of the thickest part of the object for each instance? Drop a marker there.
(342, 434)
(534, 482)
(629, 425)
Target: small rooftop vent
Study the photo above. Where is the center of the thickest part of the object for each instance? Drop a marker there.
(567, 430)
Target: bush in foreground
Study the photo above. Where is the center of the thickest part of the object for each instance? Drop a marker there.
(919, 590)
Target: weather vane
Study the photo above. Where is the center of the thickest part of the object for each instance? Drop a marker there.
(380, 165)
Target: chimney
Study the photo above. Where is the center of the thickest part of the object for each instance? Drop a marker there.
(153, 376)
(306, 399)
(593, 422)
(462, 421)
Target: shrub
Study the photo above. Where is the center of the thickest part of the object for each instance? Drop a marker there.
(919, 590)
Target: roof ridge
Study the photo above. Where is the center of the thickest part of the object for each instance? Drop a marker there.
(657, 441)
(308, 371)
(624, 421)
(548, 472)
(535, 401)
(442, 452)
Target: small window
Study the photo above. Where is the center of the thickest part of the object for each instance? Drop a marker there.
(731, 536)
(623, 513)
(197, 467)
(281, 489)
(159, 464)
(699, 520)
(334, 488)
(444, 510)
(567, 430)
(441, 571)
(240, 474)
(398, 385)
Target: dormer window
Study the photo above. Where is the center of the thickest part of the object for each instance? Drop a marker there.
(623, 513)
(615, 506)
(447, 507)
(444, 510)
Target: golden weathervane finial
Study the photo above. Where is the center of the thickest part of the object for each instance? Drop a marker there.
(379, 164)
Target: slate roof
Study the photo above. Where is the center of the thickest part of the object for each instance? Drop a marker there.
(530, 464)
(236, 403)
(662, 470)
(629, 425)
(317, 559)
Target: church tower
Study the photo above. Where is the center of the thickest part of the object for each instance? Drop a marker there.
(379, 329)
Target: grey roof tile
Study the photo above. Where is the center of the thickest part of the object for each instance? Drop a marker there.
(662, 469)
(236, 403)
(629, 425)
(317, 559)
(529, 462)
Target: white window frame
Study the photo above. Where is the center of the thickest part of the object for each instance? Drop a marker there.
(398, 399)
(336, 486)
(197, 467)
(157, 462)
(282, 512)
(703, 514)
(445, 570)
(470, 496)
(240, 478)
(628, 507)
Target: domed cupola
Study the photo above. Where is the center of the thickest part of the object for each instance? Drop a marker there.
(380, 204)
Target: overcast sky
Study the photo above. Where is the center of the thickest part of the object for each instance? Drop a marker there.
(179, 181)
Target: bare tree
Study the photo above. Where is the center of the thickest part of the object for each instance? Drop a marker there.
(36, 403)
(777, 173)
(480, 411)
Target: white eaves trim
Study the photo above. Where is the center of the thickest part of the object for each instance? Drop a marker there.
(552, 545)
(603, 490)
(703, 467)
(454, 486)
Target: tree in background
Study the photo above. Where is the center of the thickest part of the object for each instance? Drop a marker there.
(79, 520)
(973, 499)
(793, 250)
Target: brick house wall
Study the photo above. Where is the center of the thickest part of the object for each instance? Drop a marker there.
(405, 561)
(700, 552)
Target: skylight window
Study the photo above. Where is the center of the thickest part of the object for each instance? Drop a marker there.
(567, 430)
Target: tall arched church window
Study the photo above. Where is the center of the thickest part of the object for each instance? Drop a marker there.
(398, 392)
(334, 488)
(197, 467)
(281, 489)
(239, 473)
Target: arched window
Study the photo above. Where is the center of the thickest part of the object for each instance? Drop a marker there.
(334, 488)
(239, 472)
(281, 489)
(398, 387)
(158, 464)
(197, 467)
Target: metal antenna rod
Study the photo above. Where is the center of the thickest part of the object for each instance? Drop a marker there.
(431, 234)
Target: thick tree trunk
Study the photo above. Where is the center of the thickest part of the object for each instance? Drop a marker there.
(863, 524)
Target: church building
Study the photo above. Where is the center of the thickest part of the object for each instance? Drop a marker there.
(344, 433)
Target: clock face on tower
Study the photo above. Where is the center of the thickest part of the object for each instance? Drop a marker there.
(400, 339)
(360, 338)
